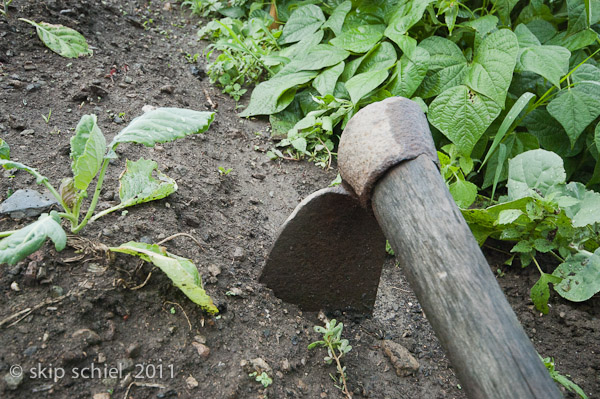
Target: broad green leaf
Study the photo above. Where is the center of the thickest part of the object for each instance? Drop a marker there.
(450, 15)
(589, 210)
(551, 62)
(540, 292)
(504, 7)
(88, 146)
(336, 20)
(447, 66)
(318, 57)
(497, 165)
(4, 150)
(580, 276)
(360, 39)
(360, 85)
(30, 238)
(574, 42)
(535, 169)
(350, 68)
(299, 50)
(463, 192)
(550, 133)
(163, 125)
(483, 26)
(265, 98)
(136, 184)
(63, 41)
(326, 80)
(543, 30)
(305, 20)
(299, 144)
(8, 164)
(597, 136)
(462, 116)
(409, 73)
(508, 216)
(408, 14)
(181, 271)
(508, 121)
(576, 108)
(586, 72)
(285, 120)
(578, 18)
(382, 56)
(491, 72)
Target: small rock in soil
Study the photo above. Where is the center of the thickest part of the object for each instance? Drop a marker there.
(33, 86)
(259, 365)
(134, 350)
(101, 395)
(88, 336)
(30, 350)
(214, 270)
(13, 382)
(191, 382)
(167, 394)
(239, 254)
(14, 286)
(203, 350)
(125, 364)
(168, 89)
(26, 203)
(404, 363)
(56, 291)
(146, 239)
(27, 132)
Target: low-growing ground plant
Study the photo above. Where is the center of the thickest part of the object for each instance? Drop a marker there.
(337, 348)
(562, 379)
(263, 378)
(64, 41)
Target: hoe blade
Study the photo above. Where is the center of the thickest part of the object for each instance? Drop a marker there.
(328, 255)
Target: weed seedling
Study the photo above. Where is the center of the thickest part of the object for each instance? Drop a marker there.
(263, 378)
(223, 171)
(336, 349)
(47, 118)
(562, 379)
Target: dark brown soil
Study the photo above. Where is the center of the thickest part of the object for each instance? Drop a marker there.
(112, 316)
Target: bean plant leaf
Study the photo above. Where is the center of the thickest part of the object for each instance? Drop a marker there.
(534, 170)
(88, 146)
(540, 292)
(360, 39)
(504, 7)
(549, 133)
(407, 14)
(8, 164)
(381, 56)
(326, 80)
(463, 192)
(163, 125)
(182, 272)
(265, 99)
(491, 72)
(579, 276)
(305, 20)
(462, 116)
(318, 57)
(63, 41)
(576, 41)
(447, 66)
(4, 150)
(586, 72)
(30, 238)
(137, 185)
(578, 18)
(551, 62)
(360, 85)
(336, 20)
(409, 73)
(576, 108)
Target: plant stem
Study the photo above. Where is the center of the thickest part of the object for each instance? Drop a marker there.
(92, 207)
(340, 370)
(538, 265)
(7, 233)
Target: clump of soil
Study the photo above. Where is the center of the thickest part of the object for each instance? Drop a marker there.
(84, 314)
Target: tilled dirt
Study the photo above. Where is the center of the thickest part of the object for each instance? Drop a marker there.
(117, 327)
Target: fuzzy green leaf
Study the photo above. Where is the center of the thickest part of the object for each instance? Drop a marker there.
(181, 271)
(360, 85)
(581, 277)
(407, 14)
(576, 108)
(540, 292)
(336, 20)
(63, 41)
(447, 66)
(574, 42)
(4, 150)
(136, 184)
(30, 238)
(163, 125)
(304, 21)
(578, 18)
(409, 73)
(535, 169)
(504, 7)
(462, 116)
(360, 39)
(549, 133)
(266, 97)
(382, 56)
(491, 72)
(463, 192)
(88, 146)
(326, 80)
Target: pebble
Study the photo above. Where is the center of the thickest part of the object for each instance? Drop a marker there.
(118, 120)
(13, 382)
(101, 395)
(134, 350)
(259, 365)
(14, 286)
(128, 79)
(29, 66)
(26, 203)
(203, 350)
(27, 132)
(56, 291)
(125, 364)
(30, 350)
(168, 89)
(214, 270)
(146, 239)
(239, 254)
(33, 86)
(87, 336)
(191, 382)
(404, 363)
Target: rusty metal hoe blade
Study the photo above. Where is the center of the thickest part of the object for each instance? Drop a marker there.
(328, 255)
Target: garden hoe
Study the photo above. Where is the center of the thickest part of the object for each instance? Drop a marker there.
(330, 251)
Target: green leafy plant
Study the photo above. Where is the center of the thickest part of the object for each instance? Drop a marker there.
(224, 172)
(337, 348)
(5, 4)
(544, 214)
(90, 157)
(64, 41)
(47, 118)
(263, 378)
(181, 271)
(562, 379)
